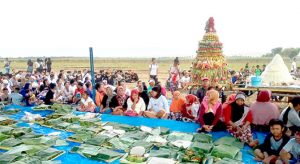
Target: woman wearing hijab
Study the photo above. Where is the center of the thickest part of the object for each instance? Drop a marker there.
(158, 106)
(24, 89)
(210, 113)
(106, 100)
(118, 103)
(238, 118)
(176, 106)
(135, 105)
(86, 103)
(263, 111)
(190, 108)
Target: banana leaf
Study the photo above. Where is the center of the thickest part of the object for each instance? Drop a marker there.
(107, 155)
(30, 135)
(6, 129)
(49, 154)
(44, 140)
(202, 137)
(86, 150)
(28, 160)
(136, 135)
(4, 121)
(60, 142)
(10, 142)
(53, 122)
(118, 144)
(62, 125)
(225, 151)
(201, 147)
(97, 140)
(179, 136)
(81, 137)
(17, 132)
(9, 158)
(146, 145)
(28, 149)
(75, 128)
(3, 136)
(70, 118)
(162, 152)
(228, 140)
(122, 126)
(10, 111)
(95, 129)
(90, 122)
(156, 139)
(228, 161)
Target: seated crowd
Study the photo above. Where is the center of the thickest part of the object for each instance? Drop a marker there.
(206, 105)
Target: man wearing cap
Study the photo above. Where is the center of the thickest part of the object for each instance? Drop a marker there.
(151, 85)
(201, 92)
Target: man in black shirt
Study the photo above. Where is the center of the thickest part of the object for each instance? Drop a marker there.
(49, 98)
(201, 92)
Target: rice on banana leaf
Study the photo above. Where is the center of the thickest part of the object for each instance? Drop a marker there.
(26, 149)
(106, 155)
(9, 158)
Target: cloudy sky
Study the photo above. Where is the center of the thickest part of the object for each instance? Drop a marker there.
(144, 28)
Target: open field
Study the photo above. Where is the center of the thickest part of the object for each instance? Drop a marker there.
(139, 65)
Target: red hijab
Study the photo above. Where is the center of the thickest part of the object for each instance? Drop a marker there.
(191, 99)
(134, 91)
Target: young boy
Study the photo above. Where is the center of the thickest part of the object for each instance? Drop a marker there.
(268, 152)
(291, 116)
(15, 97)
(291, 151)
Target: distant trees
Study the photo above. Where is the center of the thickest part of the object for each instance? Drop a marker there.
(287, 52)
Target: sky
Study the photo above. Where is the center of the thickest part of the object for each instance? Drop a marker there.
(144, 28)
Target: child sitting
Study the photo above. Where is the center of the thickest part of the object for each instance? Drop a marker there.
(268, 152)
(86, 103)
(291, 151)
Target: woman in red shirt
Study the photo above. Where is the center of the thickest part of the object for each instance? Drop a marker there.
(238, 118)
(210, 113)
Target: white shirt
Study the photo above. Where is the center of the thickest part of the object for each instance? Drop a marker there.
(293, 147)
(157, 104)
(87, 101)
(140, 106)
(153, 69)
(72, 89)
(293, 117)
(293, 66)
(185, 79)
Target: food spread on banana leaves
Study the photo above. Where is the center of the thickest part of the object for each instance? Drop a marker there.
(111, 141)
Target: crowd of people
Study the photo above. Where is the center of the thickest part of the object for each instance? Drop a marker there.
(206, 105)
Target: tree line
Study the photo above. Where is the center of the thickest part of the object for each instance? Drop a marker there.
(284, 52)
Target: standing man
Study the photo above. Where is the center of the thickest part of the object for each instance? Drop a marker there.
(153, 70)
(294, 66)
(7, 65)
(201, 92)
